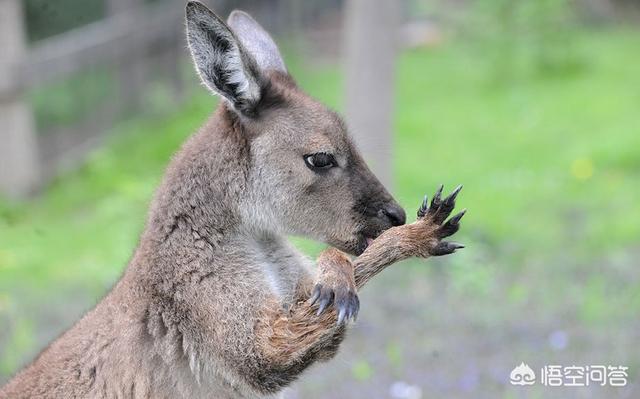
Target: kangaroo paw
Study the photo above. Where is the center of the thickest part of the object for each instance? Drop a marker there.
(433, 218)
(336, 286)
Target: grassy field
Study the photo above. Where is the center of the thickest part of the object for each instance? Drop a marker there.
(550, 164)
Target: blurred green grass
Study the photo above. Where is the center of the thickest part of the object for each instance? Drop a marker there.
(550, 164)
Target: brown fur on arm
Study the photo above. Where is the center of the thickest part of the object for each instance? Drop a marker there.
(336, 270)
(388, 248)
(289, 340)
(286, 337)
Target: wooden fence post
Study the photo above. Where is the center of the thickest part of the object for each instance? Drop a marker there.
(19, 165)
(130, 70)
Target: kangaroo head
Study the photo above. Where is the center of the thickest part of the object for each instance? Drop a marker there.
(305, 175)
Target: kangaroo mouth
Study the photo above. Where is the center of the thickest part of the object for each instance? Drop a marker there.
(356, 246)
(364, 240)
(365, 236)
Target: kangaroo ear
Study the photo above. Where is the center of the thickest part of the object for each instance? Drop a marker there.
(222, 63)
(257, 41)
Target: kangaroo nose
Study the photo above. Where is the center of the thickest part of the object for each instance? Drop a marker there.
(395, 214)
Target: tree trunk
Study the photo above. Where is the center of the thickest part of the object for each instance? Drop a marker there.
(19, 166)
(370, 50)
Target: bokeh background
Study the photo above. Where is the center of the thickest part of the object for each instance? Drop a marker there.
(533, 105)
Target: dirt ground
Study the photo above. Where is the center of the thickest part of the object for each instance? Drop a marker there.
(415, 339)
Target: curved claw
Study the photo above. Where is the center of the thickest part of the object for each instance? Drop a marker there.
(452, 197)
(325, 299)
(341, 315)
(436, 201)
(315, 295)
(456, 218)
(356, 308)
(446, 206)
(424, 208)
(324, 302)
(451, 226)
(446, 248)
(347, 304)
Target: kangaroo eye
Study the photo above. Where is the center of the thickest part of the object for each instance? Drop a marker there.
(320, 161)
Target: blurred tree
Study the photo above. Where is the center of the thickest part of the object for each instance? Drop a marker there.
(131, 72)
(18, 156)
(526, 36)
(607, 10)
(47, 18)
(370, 50)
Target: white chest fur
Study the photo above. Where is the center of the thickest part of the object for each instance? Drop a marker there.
(281, 265)
(275, 278)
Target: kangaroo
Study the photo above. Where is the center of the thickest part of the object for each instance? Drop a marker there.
(215, 303)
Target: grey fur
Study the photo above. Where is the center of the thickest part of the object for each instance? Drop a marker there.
(212, 304)
(221, 61)
(257, 41)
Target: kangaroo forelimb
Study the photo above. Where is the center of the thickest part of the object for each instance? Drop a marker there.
(291, 339)
(422, 238)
